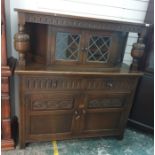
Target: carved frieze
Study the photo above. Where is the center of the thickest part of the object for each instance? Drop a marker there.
(81, 23)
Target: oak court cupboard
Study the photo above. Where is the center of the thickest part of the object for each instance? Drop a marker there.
(73, 83)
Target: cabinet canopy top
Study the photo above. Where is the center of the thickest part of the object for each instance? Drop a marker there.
(55, 19)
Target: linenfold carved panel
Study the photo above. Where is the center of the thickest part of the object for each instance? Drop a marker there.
(53, 83)
(53, 101)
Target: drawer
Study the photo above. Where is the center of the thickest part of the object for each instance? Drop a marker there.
(111, 83)
(52, 83)
(115, 84)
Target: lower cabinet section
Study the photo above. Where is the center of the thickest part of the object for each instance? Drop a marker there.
(62, 114)
(103, 111)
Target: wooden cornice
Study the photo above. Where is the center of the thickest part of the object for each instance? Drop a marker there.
(78, 22)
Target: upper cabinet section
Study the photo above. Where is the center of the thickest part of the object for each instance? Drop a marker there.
(86, 47)
(54, 39)
(58, 45)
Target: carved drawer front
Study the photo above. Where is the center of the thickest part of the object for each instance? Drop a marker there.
(111, 83)
(52, 101)
(52, 83)
(106, 101)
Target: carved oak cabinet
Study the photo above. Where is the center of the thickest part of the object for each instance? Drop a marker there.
(72, 80)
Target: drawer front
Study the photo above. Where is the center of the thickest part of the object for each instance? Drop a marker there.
(118, 83)
(53, 83)
(111, 83)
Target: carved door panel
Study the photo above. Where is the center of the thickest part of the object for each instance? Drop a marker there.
(102, 112)
(50, 114)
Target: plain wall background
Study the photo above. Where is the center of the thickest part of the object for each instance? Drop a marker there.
(121, 10)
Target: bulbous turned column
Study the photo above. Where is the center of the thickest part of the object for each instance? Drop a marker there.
(21, 44)
(137, 52)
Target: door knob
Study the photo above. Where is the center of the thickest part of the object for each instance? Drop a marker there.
(83, 111)
(77, 117)
(76, 112)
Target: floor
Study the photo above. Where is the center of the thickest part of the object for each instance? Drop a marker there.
(133, 143)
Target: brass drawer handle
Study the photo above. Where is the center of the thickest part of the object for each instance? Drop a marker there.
(109, 84)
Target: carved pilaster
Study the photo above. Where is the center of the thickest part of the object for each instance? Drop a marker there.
(22, 44)
(137, 51)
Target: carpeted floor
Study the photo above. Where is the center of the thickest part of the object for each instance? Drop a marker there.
(133, 143)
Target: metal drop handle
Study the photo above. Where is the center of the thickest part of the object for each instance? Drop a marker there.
(109, 84)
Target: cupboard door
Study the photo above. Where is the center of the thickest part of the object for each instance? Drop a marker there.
(103, 112)
(50, 114)
(68, 45)
(103, 48)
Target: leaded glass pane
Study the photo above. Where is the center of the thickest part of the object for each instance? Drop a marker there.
(67, 46)
(98, 48)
